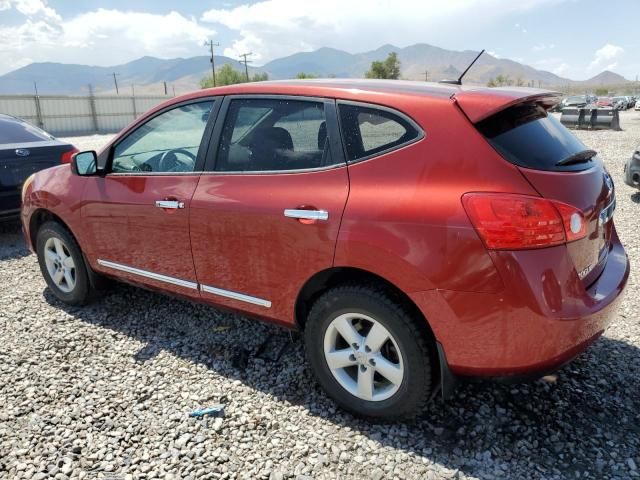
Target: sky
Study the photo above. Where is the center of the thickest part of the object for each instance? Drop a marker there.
(573, 38)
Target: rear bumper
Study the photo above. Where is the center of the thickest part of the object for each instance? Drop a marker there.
(541, 320)
(9, 204)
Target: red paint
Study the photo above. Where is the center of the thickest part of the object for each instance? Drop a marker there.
(399, 216)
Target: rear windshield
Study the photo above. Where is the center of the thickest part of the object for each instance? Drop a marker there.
(527, 136)
(13, 130)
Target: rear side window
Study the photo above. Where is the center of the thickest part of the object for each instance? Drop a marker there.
(265, 135)
(14, 131)
(368, 130)
(527, 136)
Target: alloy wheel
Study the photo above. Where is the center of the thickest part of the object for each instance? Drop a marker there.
(363, 357)
(60, 264)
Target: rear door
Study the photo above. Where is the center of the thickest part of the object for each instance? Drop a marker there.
(137, 215)
(266, 214)
(559, 167)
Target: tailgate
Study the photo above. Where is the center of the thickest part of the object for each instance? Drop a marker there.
(558, 165)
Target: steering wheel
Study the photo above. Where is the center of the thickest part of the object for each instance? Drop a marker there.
(169, 162)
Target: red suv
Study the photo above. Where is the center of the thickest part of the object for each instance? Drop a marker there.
(415, 232)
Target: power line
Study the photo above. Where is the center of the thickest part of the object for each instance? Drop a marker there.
(246, 68)
(213, 66)
(115, 81)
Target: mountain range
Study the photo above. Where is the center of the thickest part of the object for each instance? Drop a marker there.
(148, 74)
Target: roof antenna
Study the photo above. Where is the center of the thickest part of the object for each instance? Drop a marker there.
(459, 80)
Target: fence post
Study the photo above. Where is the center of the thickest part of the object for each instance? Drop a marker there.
(38, 111)
(92, 104)
(133, 102)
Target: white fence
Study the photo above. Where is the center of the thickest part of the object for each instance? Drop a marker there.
(66, 115)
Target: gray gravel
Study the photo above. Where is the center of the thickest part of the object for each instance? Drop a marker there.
(105, 391)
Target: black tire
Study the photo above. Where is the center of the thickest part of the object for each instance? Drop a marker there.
(416, 350)
(82, 292)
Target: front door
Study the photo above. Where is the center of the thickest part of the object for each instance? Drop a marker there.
(266, 214)
(137, 216)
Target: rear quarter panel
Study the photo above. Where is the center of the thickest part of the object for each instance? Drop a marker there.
(404, 218)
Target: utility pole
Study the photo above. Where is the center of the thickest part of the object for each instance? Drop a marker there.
(174, 89)
(165, 87)
(115, 81)
(426, 75)
(133, 90)
(35, 85)
(246, 68)
(213, 65)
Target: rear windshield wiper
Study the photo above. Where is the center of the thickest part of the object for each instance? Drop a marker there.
(579, 157)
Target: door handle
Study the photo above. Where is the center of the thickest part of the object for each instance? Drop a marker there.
(169, 204)
(306, 214)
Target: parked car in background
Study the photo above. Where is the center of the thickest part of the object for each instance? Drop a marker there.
(330, 206)
(606, 102)
(24, 149)
(631, 101)
(632, 169)
(620, 103)
(574, 101)
(637, 106)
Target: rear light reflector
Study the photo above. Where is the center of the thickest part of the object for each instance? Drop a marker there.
(515, 222)
(66, 156)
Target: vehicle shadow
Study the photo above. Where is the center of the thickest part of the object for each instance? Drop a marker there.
(12, 244)
(487, 429)
(635, 197)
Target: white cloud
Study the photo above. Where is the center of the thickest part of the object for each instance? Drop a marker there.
(606, 58)
(30, 8)
(555, 65)
(275, 28)
(100, 37)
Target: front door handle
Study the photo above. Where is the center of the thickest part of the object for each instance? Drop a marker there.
(306, 214)
(169, 204)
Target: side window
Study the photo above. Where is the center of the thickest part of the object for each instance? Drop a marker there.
(272, 135)
(370, 130)
(166, 143)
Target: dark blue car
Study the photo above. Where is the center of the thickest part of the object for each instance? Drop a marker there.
(24, 149)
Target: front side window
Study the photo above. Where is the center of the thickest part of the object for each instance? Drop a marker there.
(368, 130)
(272, 135)
(168, 143)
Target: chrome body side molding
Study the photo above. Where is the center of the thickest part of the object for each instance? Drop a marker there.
(147, 274)
(235, 295)
(185, 283)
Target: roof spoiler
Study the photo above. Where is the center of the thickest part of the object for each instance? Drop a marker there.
(481, 103)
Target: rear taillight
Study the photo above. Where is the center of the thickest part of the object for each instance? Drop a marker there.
(66, 156)
(514, 222)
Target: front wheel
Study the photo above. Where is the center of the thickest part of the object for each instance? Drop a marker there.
(62, 264)
(368, 353)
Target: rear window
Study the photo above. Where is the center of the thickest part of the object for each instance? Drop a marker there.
(15, 131)
(369, 130)
(527, 136)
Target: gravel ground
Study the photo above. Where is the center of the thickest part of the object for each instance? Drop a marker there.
(105, 391)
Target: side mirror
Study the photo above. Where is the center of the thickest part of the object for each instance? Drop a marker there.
(85, 164)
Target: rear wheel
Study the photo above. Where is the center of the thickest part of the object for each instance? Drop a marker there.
(368, 353)
(62, 264)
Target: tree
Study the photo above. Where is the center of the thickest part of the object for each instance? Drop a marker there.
(602, 92)
(227, 75)
(500, 81)
(304, 75)
(389, 68)
(260, 77)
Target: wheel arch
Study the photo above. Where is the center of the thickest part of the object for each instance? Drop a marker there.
(332, 277)
(38, 218)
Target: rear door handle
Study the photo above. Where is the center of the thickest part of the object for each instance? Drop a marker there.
(306, 214)
(170, 204)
